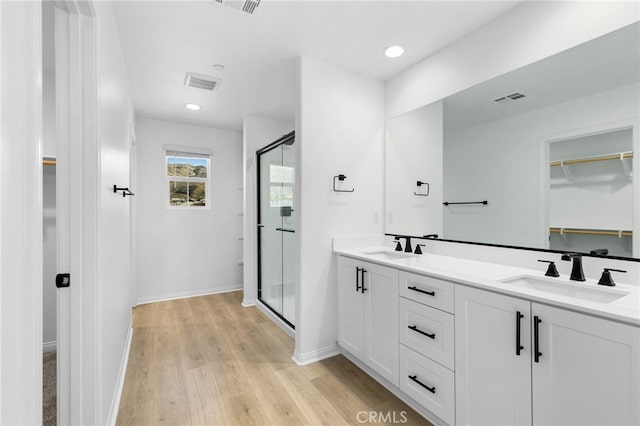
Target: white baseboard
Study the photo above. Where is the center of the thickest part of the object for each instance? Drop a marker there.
(248, 301)
(315, 356)
(278, 321)
(115, 402)
(433, 419)
(187, 294)
(49, 346)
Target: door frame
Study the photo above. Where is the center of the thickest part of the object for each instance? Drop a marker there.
(77, 210)
(21, 213)
(286, 138)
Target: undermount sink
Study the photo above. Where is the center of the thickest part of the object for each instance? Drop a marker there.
(392, 255)
(561, 287)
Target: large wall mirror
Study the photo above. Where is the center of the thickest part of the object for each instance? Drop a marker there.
(542, 157)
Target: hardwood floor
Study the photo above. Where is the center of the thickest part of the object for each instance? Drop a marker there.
(209, 361)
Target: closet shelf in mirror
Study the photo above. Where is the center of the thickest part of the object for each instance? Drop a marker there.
(584, 231)
(596, 175)
(608, 157)
(48, 161)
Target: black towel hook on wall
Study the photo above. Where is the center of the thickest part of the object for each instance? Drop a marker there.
(419, 184)
(341, 178)
(125, 191)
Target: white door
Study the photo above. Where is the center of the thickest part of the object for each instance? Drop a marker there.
(350, 307)
(76, 209)
(587, 372)
(381, 320)
(493, 381)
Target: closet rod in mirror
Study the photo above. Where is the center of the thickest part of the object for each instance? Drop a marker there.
(620, 156)
(607, 232)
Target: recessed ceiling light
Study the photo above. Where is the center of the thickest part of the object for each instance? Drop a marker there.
(394, 51)
(218, 67)
(193, 107)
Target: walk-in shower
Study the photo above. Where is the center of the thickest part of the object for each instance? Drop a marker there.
(276, 227)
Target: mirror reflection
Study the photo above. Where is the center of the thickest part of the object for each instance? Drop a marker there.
(541, 157)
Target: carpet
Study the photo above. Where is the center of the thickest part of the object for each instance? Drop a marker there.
(49, 389)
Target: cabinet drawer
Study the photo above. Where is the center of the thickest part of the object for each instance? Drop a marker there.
(428, 383)
(428, 331)
(427, 290)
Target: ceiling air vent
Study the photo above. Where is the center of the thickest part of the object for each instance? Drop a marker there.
(247, 6)
(508, 98)
(200, 81)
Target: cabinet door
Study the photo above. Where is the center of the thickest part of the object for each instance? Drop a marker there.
(588, 370)
(350, 307)
(381, 321)
(493, 384)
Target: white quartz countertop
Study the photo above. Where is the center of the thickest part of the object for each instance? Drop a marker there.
(488, 276)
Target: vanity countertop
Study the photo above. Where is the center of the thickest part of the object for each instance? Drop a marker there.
(488, 276)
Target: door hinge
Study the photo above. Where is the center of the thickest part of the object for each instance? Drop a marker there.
(63, 280)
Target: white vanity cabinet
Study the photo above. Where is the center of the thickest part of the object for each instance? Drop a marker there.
(570, 368)
(368, 314)
(588, 371)
(427, 343)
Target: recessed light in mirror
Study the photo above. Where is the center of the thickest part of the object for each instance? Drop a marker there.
(218, 67)
(393, 51)
(193, 107)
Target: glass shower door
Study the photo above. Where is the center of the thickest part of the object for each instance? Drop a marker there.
(276, 233)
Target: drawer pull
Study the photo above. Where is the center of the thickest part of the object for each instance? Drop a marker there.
(429, 335)
(519, 346)
(357, 280)
(430, 293)
(414, 378)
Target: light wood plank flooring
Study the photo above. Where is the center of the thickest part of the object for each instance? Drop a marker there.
(209, 361)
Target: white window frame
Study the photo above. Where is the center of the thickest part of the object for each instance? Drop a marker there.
(186, 152)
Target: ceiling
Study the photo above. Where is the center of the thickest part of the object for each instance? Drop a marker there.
(161, 41)
(604, 63)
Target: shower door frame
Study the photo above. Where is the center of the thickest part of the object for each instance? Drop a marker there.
(281, 141)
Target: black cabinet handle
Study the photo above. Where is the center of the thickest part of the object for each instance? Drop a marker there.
(416, 329)
(536, 339)
(357, 279)
(362, 271)
(430, 293)
(519, 347)
(414, 378)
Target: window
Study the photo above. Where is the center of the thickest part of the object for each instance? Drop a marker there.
(282, 179)
(188, 178)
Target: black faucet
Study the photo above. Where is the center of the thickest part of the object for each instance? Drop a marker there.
(407, 245)
(577, 274)
(397, 241)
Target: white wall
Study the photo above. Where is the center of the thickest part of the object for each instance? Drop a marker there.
(414, 153)
(114, 118)
(49, 260)
(187, 252)
(523, 35)
(49, 318)
(500, 162)
(257, 133)
(20, 213)
(339, 129)
(49, 113)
